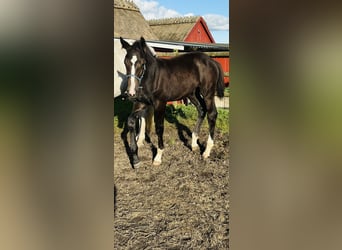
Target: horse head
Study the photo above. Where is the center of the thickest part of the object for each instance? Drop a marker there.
(136, 59)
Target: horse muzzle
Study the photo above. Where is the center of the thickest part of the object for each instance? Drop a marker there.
(130, 94)
(131, 97)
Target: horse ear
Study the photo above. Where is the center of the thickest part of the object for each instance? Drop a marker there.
(143, 44)
(124, 44)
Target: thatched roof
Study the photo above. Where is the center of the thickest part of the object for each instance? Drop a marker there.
(129, 22)
(175, 29)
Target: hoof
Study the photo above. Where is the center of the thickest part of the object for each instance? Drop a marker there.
(135, 161)
(136, 164)
(205, 155)
(195, 148)
(156, 163)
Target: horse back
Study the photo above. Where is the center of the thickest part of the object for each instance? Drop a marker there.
(180, 76)
(190, 65)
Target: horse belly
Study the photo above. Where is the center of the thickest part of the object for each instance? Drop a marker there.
(181, 86)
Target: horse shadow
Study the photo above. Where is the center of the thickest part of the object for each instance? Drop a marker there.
(122, 110)
(184, 132)
(124, 135)
(124, 83)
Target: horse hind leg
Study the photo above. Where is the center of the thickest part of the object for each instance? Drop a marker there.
(159, 115)
(149, 116)
(212, 115)
(201, 109)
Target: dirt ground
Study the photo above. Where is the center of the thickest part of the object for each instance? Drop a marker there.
(181, 204)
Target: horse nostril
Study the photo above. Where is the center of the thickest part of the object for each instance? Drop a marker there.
(131, 93)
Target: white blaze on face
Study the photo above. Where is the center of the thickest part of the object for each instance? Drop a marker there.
(131, 90)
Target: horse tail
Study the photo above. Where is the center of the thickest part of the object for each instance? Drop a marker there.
(220, 81)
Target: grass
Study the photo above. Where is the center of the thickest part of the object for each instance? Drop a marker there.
(179, 113)
(187, 115)
(227, 91)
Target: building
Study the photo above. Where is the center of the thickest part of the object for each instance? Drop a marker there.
(129, 22)
(182, 29)
(190, 29)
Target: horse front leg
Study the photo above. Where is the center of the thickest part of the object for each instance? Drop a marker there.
(159, 115)
(146, 114)
(131, 123)
(141, 134)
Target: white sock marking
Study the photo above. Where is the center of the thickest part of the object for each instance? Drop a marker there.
(132, 86)
(157, 159)
(210, 144)
(141, 135)
(194, 144)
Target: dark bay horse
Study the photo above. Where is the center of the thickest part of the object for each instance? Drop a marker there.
(155, 81)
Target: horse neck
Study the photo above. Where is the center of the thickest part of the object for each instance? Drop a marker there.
(151, 67)
(148, 82)
(150, 59)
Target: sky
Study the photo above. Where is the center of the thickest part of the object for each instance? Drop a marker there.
(214, 12)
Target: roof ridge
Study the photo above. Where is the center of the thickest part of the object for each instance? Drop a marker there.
(174, 20)
(126, 4)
